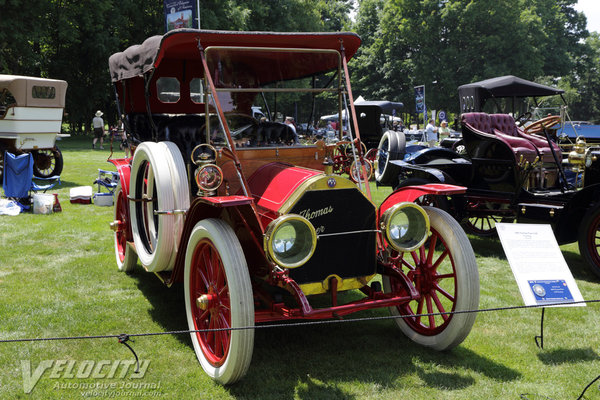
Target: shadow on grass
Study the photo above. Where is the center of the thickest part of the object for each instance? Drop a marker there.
(168, 306)
(319, 361)
(487, 246)
(568, 356)
(297, 360)
(67, 185)
(579, 268)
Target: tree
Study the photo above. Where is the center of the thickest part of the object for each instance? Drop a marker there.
(587, 104)
(444, 44)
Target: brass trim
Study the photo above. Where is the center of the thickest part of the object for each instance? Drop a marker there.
(272, 228)
(319, 182)
(342, 284)
(389, 214)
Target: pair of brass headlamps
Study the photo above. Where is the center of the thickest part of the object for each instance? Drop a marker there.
(290, 240)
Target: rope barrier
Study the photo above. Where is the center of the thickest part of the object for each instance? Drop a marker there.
(297, 324)
(123, 338)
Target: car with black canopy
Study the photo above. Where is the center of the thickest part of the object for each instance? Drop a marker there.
(257, 226)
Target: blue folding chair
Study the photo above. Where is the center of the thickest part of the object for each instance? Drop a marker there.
(18, 180)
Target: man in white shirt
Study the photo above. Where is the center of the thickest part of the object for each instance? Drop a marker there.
(431, 131)
(98, 124)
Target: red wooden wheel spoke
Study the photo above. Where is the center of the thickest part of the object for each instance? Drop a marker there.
(444, 292)
(225, 334)
(439, 306)
(415, 258)
(432, 243)
(210, 266)
(419, 310)
(430, 311)
(204, 279)
(202, 317)
(407, 265)
(440, 259)
(210, 335)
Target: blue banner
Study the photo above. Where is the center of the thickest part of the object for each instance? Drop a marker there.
(180, 14)
(420, 99)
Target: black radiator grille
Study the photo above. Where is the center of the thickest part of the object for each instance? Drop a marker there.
(346, 255)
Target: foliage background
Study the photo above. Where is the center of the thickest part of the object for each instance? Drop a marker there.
(439, 43)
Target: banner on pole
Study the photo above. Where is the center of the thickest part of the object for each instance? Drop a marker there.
(180, 14)
(420, 99)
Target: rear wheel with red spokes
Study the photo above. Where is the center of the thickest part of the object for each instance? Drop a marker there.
(444, 273)
(218, 299)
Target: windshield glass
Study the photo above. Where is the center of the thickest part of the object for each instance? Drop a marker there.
(272, 100)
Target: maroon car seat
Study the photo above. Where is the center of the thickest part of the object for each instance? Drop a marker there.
(485, 126)
(505, 124)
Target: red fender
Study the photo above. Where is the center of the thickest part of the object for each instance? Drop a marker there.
(239, 213)
(411, 193)
(124, 169)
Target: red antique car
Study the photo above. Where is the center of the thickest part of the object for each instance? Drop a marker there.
(256, 224)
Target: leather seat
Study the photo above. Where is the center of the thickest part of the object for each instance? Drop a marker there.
(506, 125)
(484, 125)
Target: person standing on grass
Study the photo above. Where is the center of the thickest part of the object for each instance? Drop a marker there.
(443, 129)
(431, 131)
(98, 124)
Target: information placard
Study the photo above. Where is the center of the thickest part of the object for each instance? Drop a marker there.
(541, 272)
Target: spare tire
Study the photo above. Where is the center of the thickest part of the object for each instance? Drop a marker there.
(392, 146)
(181, 190)
(151, 190)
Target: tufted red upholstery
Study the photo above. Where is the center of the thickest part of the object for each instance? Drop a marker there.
(506, 124)
(485, 124)
(479, 121)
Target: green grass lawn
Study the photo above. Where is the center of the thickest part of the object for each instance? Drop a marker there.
(58, 277)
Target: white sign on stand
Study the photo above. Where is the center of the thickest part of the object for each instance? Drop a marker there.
(541, 272)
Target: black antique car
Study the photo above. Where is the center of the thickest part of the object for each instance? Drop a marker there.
(511, 174)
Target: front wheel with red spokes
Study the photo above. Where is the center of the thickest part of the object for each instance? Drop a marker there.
(444, 273)
(218, 299)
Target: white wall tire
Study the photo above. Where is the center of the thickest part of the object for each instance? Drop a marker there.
(181, 191)
(391, 147)
(456, 275)
(152, 234)
(124, 254)
(215, 267)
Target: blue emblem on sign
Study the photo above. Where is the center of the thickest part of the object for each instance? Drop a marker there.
(331, 182)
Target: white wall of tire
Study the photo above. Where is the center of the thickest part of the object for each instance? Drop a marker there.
(394, 144)
(167, 174)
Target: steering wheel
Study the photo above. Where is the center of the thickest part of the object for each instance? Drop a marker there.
(340, 159)
(544, 123)
(348, 149)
